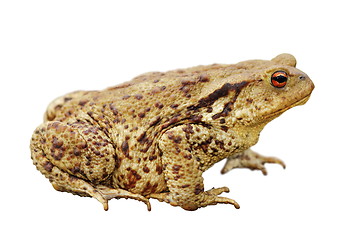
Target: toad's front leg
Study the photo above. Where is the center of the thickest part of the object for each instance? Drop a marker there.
(183, 171)
(251, 160)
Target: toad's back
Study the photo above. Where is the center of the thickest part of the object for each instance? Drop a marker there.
(133, 115)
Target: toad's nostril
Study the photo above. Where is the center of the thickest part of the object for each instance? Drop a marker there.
(302, 77)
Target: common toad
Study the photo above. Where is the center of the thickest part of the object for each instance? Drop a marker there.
(154, 136)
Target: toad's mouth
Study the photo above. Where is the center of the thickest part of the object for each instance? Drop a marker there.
(275, 114)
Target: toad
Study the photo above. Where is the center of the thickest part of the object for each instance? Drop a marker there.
(154, 136)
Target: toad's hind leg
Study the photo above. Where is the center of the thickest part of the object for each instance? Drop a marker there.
(68, 156)
(57, 104)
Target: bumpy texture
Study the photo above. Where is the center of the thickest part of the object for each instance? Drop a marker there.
(154, 136)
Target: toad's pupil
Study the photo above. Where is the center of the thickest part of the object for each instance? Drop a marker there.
(280, 78)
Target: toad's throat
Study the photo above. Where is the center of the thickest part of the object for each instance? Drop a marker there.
(275, 114)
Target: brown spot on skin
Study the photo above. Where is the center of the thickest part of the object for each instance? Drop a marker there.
(153, 157)
(171, 136)
(58, 156)
(185, 89)
(155, 90)
(75, 170)
(204, 78)
(141, 115)
(199, 188)
(113, 109)
(188, 82)
(159, 105)
(125, 148)
(174, 106)
(159, 169)
(188, 156)
(170, 122)
(205, 145)
(219, 93)
(147, 188)
(57, 143)
(69, 113)
(48, 166)
(155, 121)
(77, 152)
(188, 128)
(225, 112)
(83, 102)
(138, 96)
(215, 150)
(154, 187)
(220, 144)
(134, 128)
(177, 149)
(93, 130)
(249, 100)
(176, 169)
(147, 146)
(141, 137)
(91, 114)
(82, 145)
(132, 178)
(196, 118)
(146, 169)
(224, 128)
(185, 186)
(135, 174)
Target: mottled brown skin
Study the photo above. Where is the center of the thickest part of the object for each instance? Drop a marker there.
(154, 136)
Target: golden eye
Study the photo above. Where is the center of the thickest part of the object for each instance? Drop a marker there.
(279, 79)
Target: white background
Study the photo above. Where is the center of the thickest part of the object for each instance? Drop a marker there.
(48, 48)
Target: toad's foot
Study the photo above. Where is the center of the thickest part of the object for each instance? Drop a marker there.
(209, 197)
(250, 159)
(109, 193)
(101, 193)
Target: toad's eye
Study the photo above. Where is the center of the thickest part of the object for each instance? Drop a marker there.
(279, 79)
